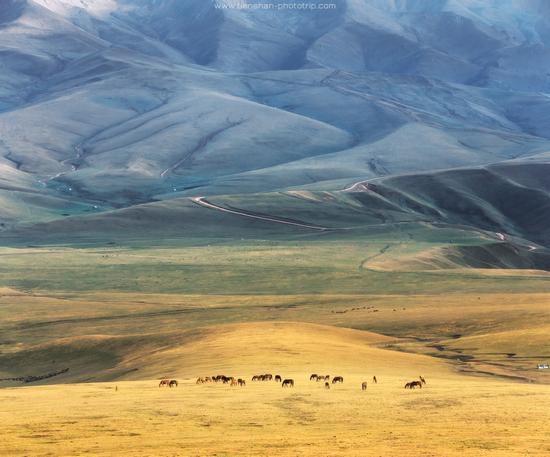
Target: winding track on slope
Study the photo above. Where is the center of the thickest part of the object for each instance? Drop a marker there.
(201, 201)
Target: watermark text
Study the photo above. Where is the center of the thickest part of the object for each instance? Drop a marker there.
(296, 6)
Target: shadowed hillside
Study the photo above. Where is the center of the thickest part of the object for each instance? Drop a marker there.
(505, 208)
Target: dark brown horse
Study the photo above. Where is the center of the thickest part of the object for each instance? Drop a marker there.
(327, 385)
(288, 383)
(364, 385)
(241, 382)
(336, 379)
(413, 385)
(164, 383)
(422, 380)
(278, 378)
(173, 383)
(313, 377)
(374, 380)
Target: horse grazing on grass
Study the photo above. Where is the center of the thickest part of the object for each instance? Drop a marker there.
(200, 381)
(288, 383)
(337, 379)
(278, 378)
(413, 385)
(173, 383)
(234, 383)
(364, 385)
(313, 377)
(164, 383)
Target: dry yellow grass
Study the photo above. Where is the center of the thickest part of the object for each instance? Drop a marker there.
(454, 415)
(109, 327)
(132, 316)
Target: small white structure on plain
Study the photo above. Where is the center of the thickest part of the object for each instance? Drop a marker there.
(543, 366)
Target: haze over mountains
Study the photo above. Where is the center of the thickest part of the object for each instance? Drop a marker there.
(107, 104)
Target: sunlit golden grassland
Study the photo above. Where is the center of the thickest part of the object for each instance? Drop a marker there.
(452, 415)
(121, 318)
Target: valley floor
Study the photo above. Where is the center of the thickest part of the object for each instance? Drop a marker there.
(121, 319)
(453, 415)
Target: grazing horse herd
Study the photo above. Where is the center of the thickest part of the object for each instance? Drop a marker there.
(239, 382)
(168, 383)
(232, 381)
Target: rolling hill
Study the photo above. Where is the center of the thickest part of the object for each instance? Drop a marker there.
(502, 208)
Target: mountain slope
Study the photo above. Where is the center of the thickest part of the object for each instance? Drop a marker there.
(111, 103)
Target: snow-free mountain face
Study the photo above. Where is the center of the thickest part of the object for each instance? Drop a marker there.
(109, 103)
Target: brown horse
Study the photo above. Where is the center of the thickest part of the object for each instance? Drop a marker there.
(313, 377)
(364, 385)
(200, 381)
(173, 383)
(234, 383)
(327, 385)
(278, 378)
(164, 383)
(374, 380)
(241, 382)
(288, 383)
(413, 385)
(422, 380)
(336, 379)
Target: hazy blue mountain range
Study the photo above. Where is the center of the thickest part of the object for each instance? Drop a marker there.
(106, 104)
